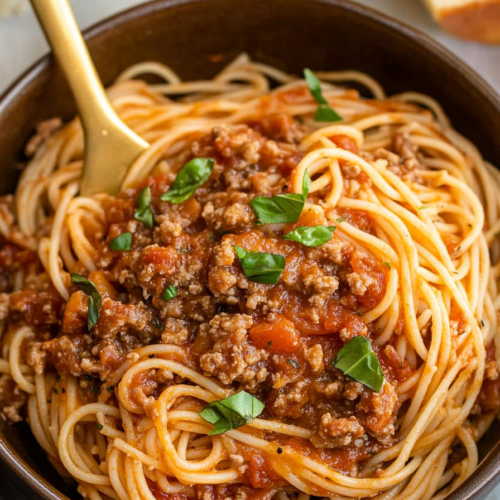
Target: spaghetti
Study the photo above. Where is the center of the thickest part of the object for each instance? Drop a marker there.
(406, 257)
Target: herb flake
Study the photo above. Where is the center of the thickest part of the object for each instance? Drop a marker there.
(157, 323)
(192, 175)
(170, 293)
(294, 363)
(95, 303)
(311, 236)
(143, 212)
(122, 242)
(324, 113)
(357, 360)
(261, 267)
(232, 412)
(282, 207)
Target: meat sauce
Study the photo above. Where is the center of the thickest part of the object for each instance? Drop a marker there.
(274, 341)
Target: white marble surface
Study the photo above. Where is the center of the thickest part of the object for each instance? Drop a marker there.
(23, 43)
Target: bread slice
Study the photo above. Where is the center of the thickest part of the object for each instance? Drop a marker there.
(477, 20)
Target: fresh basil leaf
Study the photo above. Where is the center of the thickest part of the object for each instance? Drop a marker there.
(311, 236)
(324, 113)
(122, 242)
(232, 412)
(95, 303)
(283, 207)
(261, 267)
(189, 179)
(143, 212)
(357, 360)
(170, 292)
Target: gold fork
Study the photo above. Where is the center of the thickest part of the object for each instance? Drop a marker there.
(110, 146)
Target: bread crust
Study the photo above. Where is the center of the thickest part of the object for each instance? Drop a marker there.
(474, 20)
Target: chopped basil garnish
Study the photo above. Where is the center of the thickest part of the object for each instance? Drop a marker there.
(189, 179)
(311, 236)
(283, 207)
(170, 292)
(157, 323)
(95, 302)
(324, 113)
(261, 267)
(358, 360)
(100, 426)
(341, 219)
(122, 242)
(143, 212)
(388, 264)
(232, 412)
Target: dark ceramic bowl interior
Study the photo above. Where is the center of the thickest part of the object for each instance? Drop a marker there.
(291, 34)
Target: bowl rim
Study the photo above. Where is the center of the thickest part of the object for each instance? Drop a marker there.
(486, 474)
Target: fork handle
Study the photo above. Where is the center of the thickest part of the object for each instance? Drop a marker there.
(68, 46)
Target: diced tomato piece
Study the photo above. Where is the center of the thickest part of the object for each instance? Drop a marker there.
(163, 259)
(75, 314)
(308, 218)
(261, 473)
(105, 288)
(344, 142)
(282, 333)
(337, 317)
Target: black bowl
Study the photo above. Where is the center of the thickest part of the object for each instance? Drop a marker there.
(291, 34)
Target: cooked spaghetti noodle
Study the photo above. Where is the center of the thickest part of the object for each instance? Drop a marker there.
(411, 265)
